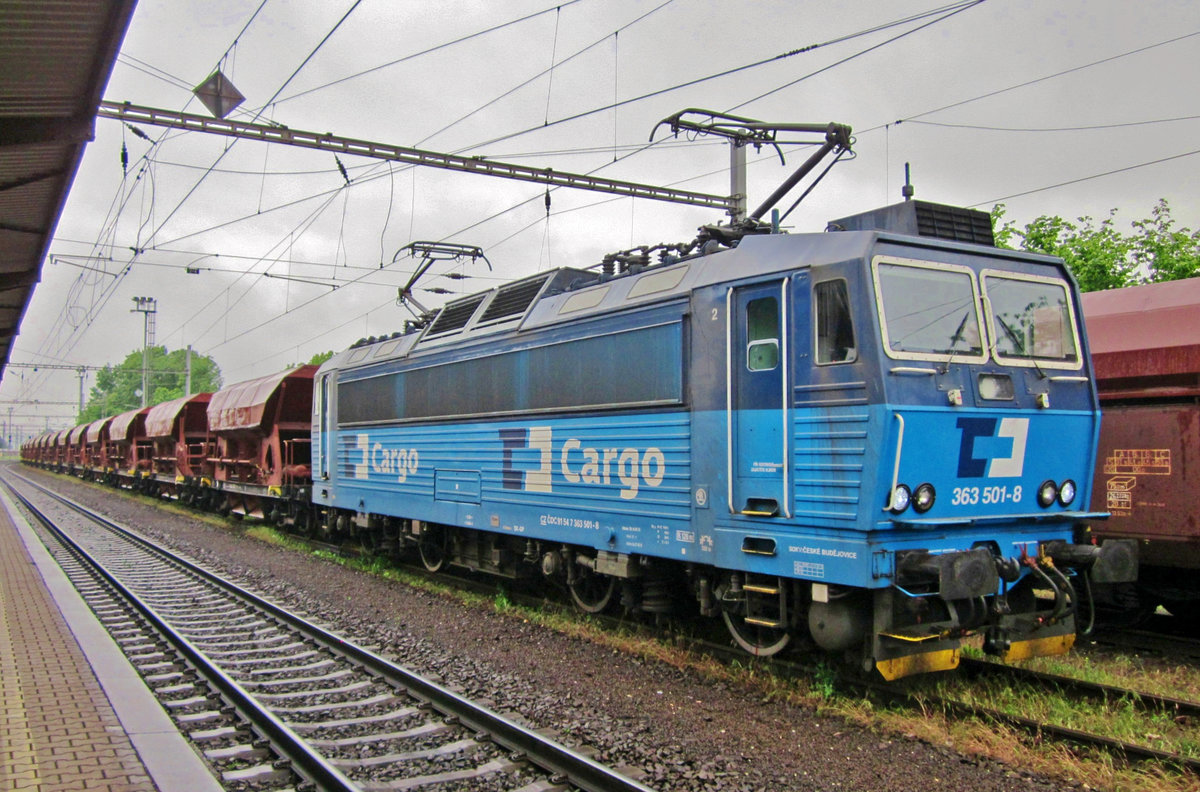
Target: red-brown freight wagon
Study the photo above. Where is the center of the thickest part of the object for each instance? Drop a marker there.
(95, 449)
(75, 449)
(130, 452)
(178, 432)
(1145, 344)
(263, 443)
(59, 456)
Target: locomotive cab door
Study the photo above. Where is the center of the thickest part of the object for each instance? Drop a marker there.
(756, 399)
(320, 432)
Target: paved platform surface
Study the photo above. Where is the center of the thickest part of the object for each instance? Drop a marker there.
(74, 714)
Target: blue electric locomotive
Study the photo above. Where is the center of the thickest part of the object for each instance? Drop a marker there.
(880, 437)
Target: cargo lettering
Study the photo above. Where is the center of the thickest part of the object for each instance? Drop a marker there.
(579, 464)
(400, 462)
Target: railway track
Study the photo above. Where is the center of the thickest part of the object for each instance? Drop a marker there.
(274, 701)
(1040, 683)
(921, 697)
(916, 694)
(1184, 648)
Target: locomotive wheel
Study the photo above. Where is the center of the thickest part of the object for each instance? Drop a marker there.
(593, 593)
(432, 548)
(754, 639)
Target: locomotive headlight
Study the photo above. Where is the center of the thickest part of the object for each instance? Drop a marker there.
(924, 497)
(1066, 492)
(901, 497)
(1047, 494)
(996, 386)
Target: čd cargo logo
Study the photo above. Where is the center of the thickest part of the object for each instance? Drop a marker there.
(991, 447)
(577, 463)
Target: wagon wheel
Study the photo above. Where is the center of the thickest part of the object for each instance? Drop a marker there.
(755, 639)
(432, 547)
(368, 541)
(591, 592)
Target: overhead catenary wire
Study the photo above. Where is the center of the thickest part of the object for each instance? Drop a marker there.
(960, 6)
(643, 16)
(1080, 180)
(430, 50)
(946, 12)
(72, 338)
(1042, 79)
(811, 47)
(727, 72)
(273, 98)
(579, 52)
(1085, 128)
(102, 300)
(539, 194)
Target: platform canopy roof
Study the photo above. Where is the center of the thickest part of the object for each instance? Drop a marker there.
(55, 60)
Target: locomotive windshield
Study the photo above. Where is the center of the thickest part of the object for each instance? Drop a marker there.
(934, 312)
(1031, 320)
(929, 312)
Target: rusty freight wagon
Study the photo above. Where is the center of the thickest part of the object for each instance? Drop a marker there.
(1146, 352)
(75, 447)
(178, 432)
(95, 449)
(263, 444)
(129, 450)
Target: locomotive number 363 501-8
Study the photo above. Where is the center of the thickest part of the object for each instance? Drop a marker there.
(971, 496)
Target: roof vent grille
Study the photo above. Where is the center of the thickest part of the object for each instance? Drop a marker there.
(922, 218)
(455, 316)
(513, 299)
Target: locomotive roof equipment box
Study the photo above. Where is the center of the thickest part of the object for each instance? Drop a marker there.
(922, 218)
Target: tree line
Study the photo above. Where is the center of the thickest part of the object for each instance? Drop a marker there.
(119, 388)
(1100, 256)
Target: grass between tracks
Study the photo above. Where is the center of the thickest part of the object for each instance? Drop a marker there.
(972, 738)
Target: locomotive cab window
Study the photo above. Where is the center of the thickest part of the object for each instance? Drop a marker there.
(835, 329)
(1032, 320)
(762, 334)
(929, 311)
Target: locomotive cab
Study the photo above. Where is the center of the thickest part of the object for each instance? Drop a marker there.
(986, 421)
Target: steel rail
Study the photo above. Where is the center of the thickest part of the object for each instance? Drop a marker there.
(284, 741)
(556, 759)
(1080, 687)
(1129, 750)
(899, 694)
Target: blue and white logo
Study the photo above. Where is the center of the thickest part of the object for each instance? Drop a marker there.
(992, 447)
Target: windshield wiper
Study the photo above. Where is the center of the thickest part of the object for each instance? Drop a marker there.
(1018, 347)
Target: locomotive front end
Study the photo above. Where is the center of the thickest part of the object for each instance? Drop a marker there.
(989, 430)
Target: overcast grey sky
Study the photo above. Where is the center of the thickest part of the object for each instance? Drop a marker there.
(1002, 100)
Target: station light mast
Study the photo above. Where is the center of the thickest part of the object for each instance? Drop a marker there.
(148, 307)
